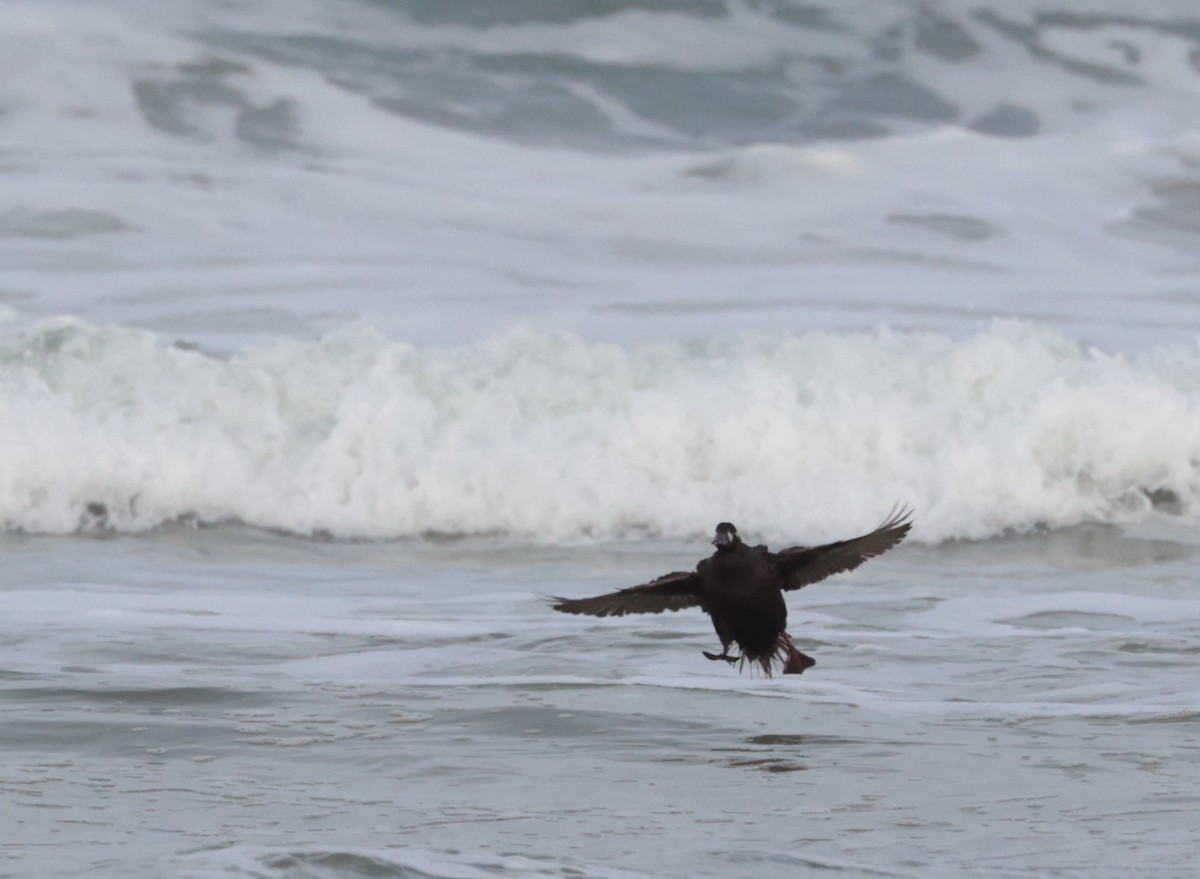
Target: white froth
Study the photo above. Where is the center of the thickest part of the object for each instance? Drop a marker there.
(172, 216)
(550, 437)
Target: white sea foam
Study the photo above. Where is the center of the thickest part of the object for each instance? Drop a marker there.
(149, 185)
(550, 437)
(313, 862)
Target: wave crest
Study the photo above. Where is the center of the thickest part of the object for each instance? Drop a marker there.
(553, 438)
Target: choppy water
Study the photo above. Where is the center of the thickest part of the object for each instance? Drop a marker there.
(333, 332)
(227, 703)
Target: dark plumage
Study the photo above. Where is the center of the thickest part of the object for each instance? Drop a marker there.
(741, 587)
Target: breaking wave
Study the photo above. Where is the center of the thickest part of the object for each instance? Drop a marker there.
(553, 438)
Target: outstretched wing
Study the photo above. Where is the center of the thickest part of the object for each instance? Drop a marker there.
(802, 565)
(670, 592)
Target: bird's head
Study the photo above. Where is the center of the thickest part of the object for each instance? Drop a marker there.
(726, 537)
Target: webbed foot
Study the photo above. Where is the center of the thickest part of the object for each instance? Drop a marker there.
(797, 662)
(724, 655)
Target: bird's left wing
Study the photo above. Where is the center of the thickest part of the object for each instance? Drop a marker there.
(669, 592)
(803, 565)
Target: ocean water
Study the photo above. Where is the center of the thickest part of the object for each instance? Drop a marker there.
(334, 333)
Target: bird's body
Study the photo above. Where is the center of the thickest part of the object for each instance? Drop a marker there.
(738, 590)
(741, 587)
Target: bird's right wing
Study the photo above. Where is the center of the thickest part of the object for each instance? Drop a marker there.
(669, 592)
(803, 565)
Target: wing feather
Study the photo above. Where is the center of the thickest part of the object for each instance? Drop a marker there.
(801, 566)
(670, 592)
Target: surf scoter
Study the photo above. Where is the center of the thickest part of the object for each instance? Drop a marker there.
(741, 587)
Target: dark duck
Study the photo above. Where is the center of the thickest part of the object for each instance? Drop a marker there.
(741, 587)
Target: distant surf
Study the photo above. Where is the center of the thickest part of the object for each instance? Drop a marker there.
(551, 438)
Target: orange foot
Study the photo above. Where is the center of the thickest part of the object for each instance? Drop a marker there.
(797, 662)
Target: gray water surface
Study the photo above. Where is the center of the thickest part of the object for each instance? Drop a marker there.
(228, 702)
